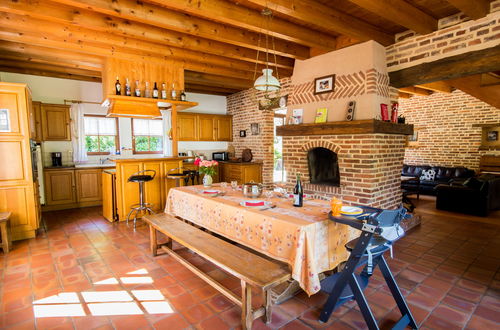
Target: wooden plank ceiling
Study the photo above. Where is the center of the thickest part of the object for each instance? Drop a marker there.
(216, 40)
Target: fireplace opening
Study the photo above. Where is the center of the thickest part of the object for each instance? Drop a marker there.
(323, 167)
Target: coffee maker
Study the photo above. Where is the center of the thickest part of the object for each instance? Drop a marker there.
(56, 158)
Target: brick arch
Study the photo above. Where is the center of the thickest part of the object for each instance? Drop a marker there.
(321, 144)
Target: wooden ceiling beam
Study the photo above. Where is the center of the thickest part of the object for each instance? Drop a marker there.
(472, 86)
(46, 73)
(246, 18)
(30, 59)
(139, 11)
(68, 33)
(415, 91)
(49, 67)
(402, 13)
(457, 66)
(84, 47)
(105, 23)
(474, 9)
(190, 87)
(322, 17)
(438, 86)
(403, 95)
(208, 79)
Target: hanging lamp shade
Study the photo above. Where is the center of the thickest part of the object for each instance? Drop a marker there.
(267, 82)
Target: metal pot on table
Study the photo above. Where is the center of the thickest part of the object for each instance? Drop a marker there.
(252, 189)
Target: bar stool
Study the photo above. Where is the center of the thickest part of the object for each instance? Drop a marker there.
(177, 174)
(5, 231)
(141, 177)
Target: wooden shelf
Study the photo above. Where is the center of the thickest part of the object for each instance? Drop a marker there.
(345, 127)
(161, 103)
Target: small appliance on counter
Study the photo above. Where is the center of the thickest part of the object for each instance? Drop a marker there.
(183, 154)
(56, 158)
(220, 156)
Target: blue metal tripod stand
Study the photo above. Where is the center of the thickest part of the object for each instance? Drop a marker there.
(379, 229)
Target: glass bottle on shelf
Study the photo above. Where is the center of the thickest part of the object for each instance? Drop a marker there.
(137, 92)
(163, 91)
(118, 87)
(128, 89)
(173, 93)
(183, 96)
(147, 92)
(155, 91)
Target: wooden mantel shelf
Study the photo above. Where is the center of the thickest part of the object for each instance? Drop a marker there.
(368, 126)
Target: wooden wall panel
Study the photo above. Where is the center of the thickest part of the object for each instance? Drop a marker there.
(167, 72)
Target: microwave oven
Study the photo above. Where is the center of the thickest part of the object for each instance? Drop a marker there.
(220, 156)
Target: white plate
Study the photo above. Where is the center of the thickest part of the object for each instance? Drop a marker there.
(351, 210)
(255, 203)
(211, 192)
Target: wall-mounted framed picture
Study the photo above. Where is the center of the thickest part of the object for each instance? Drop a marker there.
(492, 136)
(412, 140)
(254, 128)
(324, 84)
(243, 133)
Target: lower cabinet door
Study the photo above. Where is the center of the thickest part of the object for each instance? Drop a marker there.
(89, 185)
(60, 187)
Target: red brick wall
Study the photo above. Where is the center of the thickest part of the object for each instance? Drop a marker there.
(370, 165)
(245, 112)
(444, 123)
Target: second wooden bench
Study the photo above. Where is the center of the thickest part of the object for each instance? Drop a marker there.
(251, 269)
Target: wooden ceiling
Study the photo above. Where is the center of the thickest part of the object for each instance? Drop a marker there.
(217, 41)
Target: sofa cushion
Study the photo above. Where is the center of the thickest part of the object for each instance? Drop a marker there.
(473, 183)
(428, 175)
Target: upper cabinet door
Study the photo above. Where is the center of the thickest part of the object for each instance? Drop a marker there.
(187, 127)
(55, 122)
(224, 131)
(36, 121)
(207, 128)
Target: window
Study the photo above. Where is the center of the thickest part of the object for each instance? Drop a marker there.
(147, 136)
(101, 135)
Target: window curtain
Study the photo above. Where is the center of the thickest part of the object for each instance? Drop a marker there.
(78, 133)
(166, 115)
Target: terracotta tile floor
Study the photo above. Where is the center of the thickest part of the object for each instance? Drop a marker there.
(448, 269)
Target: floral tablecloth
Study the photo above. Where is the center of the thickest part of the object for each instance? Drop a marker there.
(303, 237)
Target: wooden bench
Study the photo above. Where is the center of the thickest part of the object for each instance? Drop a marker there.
(251, 269)
(5, 231)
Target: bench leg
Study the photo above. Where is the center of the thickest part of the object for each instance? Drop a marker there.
(246, 306)
(5, 237)
(153, 243)
(269, 312)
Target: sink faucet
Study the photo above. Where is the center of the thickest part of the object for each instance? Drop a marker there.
(103, 160)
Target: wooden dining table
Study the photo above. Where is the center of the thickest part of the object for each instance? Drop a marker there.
(304, 237)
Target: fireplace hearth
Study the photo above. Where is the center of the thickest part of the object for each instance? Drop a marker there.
(323, 167)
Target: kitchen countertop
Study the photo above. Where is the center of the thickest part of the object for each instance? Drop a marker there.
(150, 159)
(82, 166)
(110, 171)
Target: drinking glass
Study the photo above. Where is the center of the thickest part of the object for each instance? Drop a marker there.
(223, 185)
(269, 194)
(336, 205)
(234, 184)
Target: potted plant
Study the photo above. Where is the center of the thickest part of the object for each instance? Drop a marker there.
(208, 168)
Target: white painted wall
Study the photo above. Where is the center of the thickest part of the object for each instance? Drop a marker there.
(56, 90)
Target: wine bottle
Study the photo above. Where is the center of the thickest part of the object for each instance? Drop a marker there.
(137, 89)
(147, 92)
(155, 91)
(118, 87)
(128, 89)
(173, 93)
(163, 91)
(298, 193)
(183, 96)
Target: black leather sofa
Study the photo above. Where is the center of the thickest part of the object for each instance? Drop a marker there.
(443, 175)
(476, 196)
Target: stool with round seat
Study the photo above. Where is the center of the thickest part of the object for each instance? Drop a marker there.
(177, 174)
(141, 177)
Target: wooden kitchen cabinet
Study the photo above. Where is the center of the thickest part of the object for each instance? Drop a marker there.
(55, 122)
(204, 127)
(60, 187)
(241, 172)
(187, 126)
(88, 185)
(35, 121)
(109, 209)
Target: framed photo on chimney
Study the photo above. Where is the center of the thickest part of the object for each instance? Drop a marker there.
(324, 84)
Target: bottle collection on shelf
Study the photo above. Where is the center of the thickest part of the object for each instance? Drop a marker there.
(148, 93)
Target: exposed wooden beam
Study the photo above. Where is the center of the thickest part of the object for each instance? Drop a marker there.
(438, 86)
(321, 16)
(242, 17)
(402, 95)
(472, 86)
(108, 50)
(457, 66)
(219, 81)
(475, 9)
(64, 32)
(29, 59)
(105, 23)
(49, 67)
(490, 79)
(402, 13)
(196, 88)
(54, 74)
(140, 11)
(416, 91)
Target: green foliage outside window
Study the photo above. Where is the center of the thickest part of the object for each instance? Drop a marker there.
(148, 143)
(105, 143)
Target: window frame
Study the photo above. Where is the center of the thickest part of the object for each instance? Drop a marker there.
(135, 152)
(117, 137)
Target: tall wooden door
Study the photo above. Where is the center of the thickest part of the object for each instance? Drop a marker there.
(55, 122)
(224, 128)
(187, 127)
(60, 187)
(88, 185)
